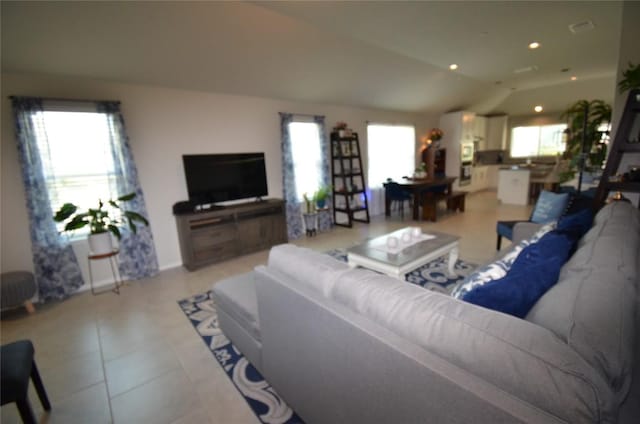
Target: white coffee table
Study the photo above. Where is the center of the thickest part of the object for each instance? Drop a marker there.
(372, 254)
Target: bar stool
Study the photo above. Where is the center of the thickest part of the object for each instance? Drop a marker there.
(17, 366)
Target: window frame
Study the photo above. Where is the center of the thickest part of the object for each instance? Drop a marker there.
(56, 181)
(540, 128)
(371, 149)
(318, 162)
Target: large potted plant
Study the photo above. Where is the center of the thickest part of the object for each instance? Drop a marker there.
(103, 221)
(598, 116)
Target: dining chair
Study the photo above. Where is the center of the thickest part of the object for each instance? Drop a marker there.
(397, 195)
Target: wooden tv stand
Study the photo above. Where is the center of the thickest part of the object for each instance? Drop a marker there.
(212, 236)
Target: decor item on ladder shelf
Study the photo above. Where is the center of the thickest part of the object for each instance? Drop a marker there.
(102, 221)
(342, 129)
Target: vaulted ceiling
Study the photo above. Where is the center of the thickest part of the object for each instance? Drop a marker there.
(388, 55)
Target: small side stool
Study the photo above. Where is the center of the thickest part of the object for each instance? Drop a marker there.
(113, 262)
(18, 287)
(17, 366)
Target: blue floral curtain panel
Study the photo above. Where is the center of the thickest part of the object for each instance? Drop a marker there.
(56, 268)
(325, 220)
(137, 258)
(294, 219)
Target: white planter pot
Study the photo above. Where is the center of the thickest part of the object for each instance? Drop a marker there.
(100, 244)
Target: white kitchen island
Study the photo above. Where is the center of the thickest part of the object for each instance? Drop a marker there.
(513, 186)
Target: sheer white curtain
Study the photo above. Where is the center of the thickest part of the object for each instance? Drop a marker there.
(392, 150)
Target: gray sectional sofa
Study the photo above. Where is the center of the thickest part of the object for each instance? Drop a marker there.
(347, 345)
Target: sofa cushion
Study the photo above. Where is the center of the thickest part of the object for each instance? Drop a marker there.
(314, 269)
(549, 207)
(237, 297)
(593, 304)
(534, 271)
(495, 347)
(612, 243)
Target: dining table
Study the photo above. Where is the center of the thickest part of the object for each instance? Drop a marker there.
(418, 187)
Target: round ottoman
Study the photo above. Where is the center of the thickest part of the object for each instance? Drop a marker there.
(18, 287)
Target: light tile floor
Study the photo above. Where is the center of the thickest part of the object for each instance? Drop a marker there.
(135, 358)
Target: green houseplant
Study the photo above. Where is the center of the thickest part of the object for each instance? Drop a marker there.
(631, 78)
(102, 221)
(321, 195)
(598, 115)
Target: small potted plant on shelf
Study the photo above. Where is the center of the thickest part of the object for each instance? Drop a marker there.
(341, 129)
(102, 222)
(321, 195)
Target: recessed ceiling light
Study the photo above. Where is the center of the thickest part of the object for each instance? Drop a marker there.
(453, 66)
(534, 45)
(538, 109)
(573, 78)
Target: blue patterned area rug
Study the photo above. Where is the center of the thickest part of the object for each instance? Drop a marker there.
(261, 397)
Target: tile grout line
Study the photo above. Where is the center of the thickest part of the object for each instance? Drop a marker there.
(104, 370)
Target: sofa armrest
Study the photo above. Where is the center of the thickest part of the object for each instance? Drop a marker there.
(524, 230)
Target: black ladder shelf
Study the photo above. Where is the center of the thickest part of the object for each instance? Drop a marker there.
(627, 140)
(350, 201)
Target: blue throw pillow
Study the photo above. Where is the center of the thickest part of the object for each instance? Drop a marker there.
(535, 270)
(499, 268)
(549, 207)
(576, 224)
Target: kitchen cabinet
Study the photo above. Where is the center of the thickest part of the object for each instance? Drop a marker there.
(513, 186)
(492, 177)
(497, 127)
(480, 132)
(479, 179)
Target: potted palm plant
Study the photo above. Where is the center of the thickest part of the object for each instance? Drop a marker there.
(103, 221)
(585, 147)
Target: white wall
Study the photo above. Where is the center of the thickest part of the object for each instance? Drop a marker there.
(162, 125)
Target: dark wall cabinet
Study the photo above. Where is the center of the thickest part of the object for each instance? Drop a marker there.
(217, 235)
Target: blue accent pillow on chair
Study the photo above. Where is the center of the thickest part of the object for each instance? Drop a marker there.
(535, 270)
(549, 207)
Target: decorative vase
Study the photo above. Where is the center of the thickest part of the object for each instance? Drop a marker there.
(100, 244)
(320, 203)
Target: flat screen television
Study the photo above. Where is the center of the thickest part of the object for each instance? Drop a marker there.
(215, 178)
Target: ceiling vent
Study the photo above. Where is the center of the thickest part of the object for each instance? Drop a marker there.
(526, 69)
(583, 26)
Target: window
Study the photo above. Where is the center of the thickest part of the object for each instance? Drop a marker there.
(545, 140)
(392, 151)
(77, 160)
(307, 157)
